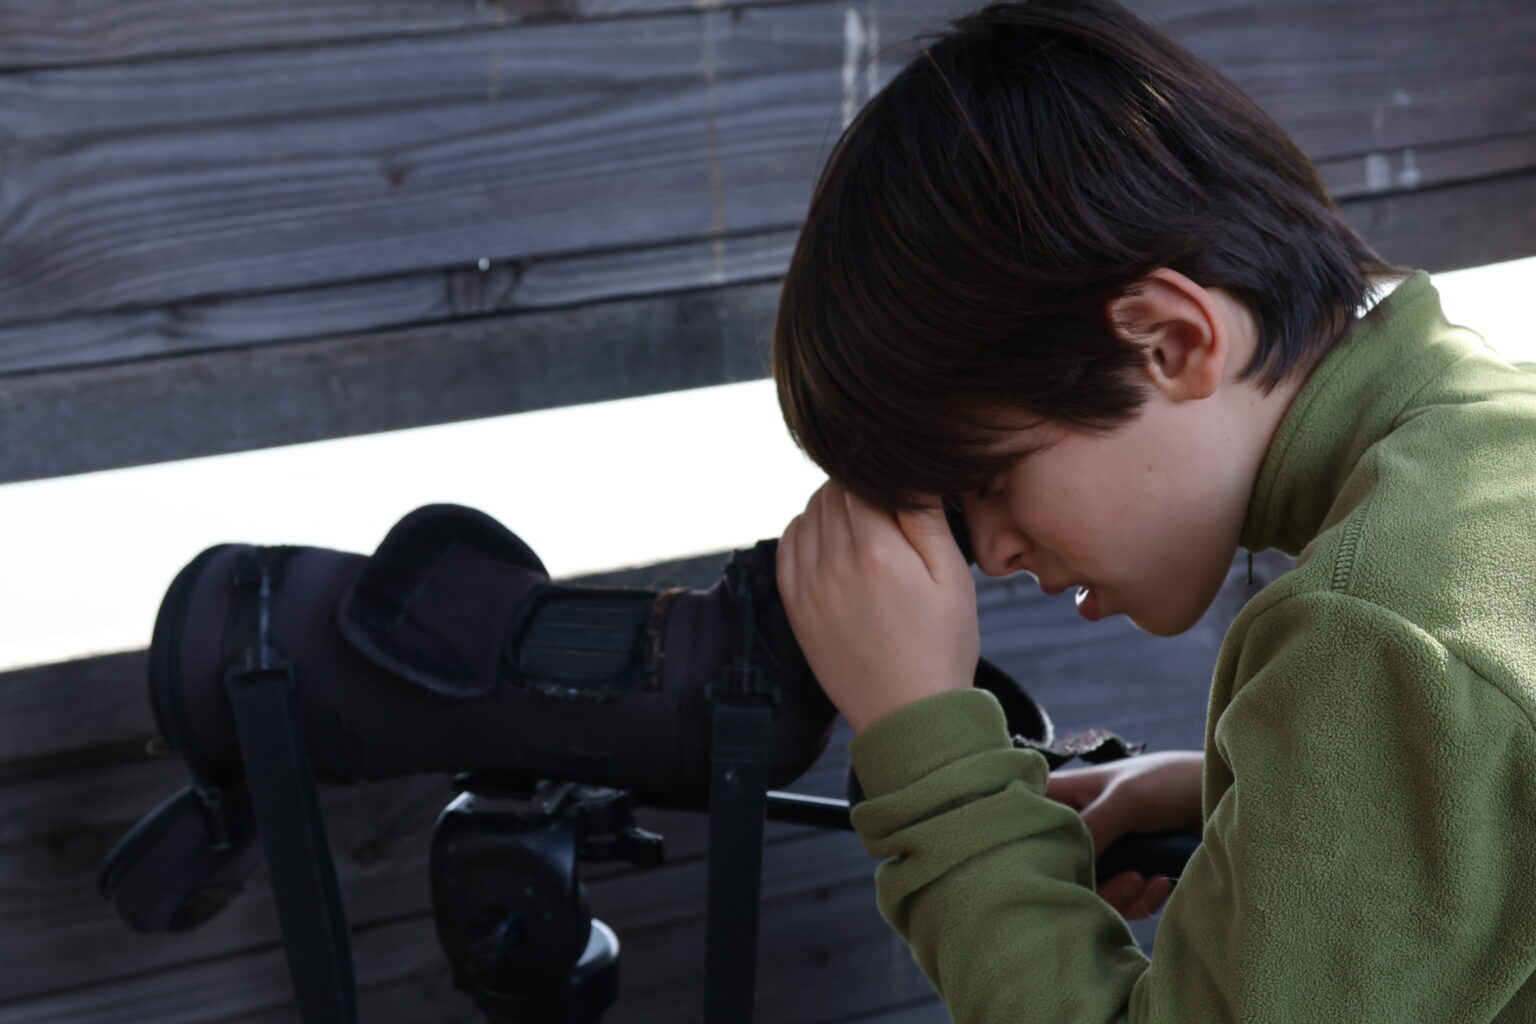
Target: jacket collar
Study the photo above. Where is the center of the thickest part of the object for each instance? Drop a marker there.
(1353, 399)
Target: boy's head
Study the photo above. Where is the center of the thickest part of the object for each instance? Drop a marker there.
(1003, 250)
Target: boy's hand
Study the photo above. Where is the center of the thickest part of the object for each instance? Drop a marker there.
(1147, 793)
(883, 605)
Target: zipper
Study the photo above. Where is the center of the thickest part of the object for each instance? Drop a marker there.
(165, 683)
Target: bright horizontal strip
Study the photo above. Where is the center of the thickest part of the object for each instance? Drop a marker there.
(589, 487)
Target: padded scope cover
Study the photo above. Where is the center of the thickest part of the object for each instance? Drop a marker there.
(449, 650)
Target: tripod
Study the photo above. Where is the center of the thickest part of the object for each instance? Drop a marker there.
(516, 924)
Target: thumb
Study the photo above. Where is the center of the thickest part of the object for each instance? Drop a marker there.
(1106, 820)
(1075, 787)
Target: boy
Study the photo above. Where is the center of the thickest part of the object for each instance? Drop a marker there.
(1065, 272)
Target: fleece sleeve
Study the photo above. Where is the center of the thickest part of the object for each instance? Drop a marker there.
(1367, 855)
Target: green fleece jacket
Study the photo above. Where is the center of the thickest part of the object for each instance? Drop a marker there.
(1369, 807)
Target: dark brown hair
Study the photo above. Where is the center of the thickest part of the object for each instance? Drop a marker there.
(973, 222)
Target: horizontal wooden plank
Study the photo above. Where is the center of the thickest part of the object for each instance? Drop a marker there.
(65, 936)
(59, 828)
(1393, 171)
(1354, 78)
(412, 155)
(144, 184)
(825, 954)
(32, 35)
(393, 302)
(51, 711)
(234, 400)
(1467, 224)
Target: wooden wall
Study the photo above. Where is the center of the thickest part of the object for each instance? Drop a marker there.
(228, 226)
(322, 219)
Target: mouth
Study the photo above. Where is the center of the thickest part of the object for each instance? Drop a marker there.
(1088, 605)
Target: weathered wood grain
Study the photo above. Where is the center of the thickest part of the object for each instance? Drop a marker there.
(51, 710)
(33, 35)
(297, 168)
(353, 317)
(138, 185)
(1462, 225)
(1390, 172)
(60, 934)
(827, 954)
(393, 302)
(1307, 66)
(459, 292)
(235, 400)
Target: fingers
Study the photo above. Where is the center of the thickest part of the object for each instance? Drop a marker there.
(1075, 787)
(1152, 898)
(1156, 896)
(808, 539)
(1106, 820)
(836, 532)
(1090, 792)
(928, 532)
(784, 563)
(822, 529)
(1136, 897)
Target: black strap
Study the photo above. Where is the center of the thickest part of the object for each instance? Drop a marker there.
(309, 907)
(738, 795)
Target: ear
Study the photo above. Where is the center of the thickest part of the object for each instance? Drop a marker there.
(1180, 327)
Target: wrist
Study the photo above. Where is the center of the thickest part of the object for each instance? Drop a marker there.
(864, 715)
(908, 744)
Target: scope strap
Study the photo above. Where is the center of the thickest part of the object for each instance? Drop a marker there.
(264, 700)
(738, 797)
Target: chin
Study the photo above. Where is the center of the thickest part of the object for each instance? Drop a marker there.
(1170, 623)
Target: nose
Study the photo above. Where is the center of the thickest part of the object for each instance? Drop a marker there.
(999, 546)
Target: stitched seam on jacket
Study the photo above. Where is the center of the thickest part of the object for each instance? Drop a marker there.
(1344, 562)
(1431, 377)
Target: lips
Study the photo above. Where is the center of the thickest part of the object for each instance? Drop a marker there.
(1088, 604)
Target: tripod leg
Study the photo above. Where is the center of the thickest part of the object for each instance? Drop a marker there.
(738, 791)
